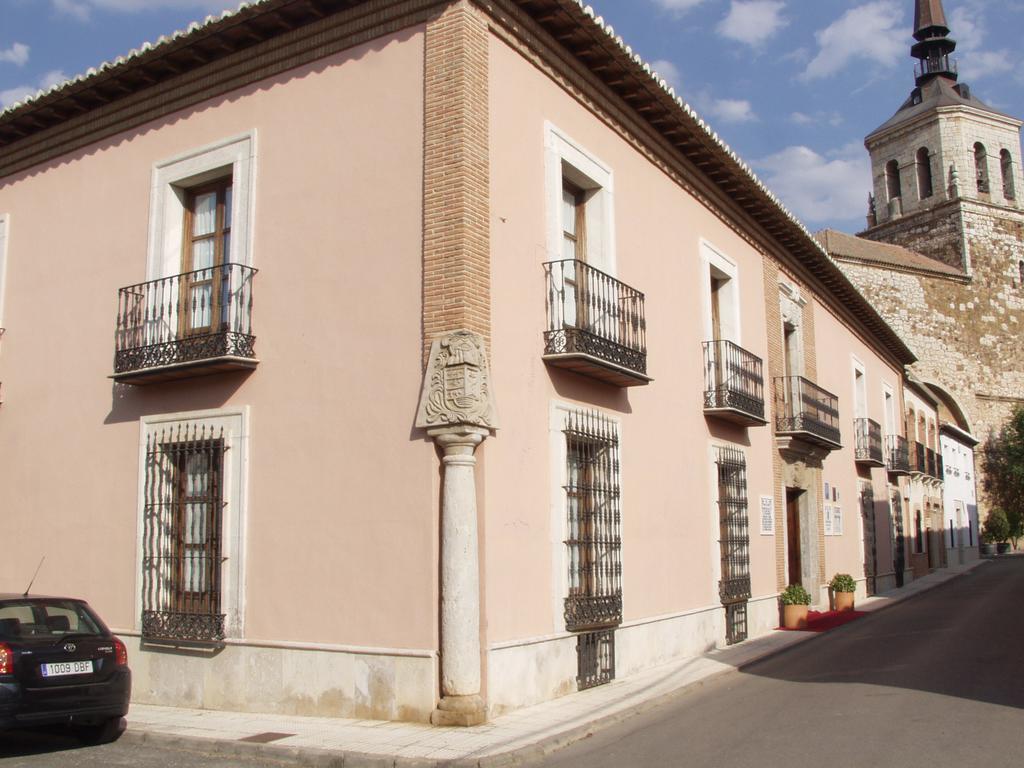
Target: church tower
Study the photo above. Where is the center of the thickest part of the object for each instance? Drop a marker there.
(943, 155)
(942, 258)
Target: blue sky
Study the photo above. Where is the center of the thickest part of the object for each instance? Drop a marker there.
(792, 85)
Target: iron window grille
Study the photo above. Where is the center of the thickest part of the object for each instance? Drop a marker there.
(867, 510)
(736, 623)
(182, 521)
(734, 538)
(594, 540)
(595, 658)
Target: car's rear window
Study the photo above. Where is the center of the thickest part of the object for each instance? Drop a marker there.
(27, 619)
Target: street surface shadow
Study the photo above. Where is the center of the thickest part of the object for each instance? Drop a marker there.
(38, 741)
(959, 639)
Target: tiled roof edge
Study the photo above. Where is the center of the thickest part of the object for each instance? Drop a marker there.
(136, 53)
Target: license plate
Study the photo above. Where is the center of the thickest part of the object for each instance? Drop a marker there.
(63, 668)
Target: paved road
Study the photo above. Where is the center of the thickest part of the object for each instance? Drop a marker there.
(55, 749)
(935, 681)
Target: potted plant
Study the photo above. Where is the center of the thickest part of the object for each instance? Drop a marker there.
(795, 600)
(997, 529)
(843, 586)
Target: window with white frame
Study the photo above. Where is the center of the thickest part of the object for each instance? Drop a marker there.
(190, 526)
(181, 182)
(580, 208)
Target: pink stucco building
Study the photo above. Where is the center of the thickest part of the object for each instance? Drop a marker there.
(421, 360)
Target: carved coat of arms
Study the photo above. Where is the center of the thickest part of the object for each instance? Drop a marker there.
(456, 389)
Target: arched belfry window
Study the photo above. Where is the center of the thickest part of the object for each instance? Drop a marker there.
(981, 167)
(892, 179)
(924, 173)
(1006, 166)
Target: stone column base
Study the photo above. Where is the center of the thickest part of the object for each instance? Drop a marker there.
(461, 711)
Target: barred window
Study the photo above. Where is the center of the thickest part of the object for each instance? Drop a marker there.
(182, 533)
(595, 658)
(734, 540)
(594, 522)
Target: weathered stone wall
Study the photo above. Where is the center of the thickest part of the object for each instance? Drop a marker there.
(938, 233)
(965, 332)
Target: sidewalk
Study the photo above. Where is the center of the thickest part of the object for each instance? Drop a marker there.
(513, 739)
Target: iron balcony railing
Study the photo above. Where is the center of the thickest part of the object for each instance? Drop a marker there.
(918, 458)
(868, 444)
(936, 65)
(733, 380)
(898, 454)
(805, 409)
(185, 319)
(932, 465)
(591, 314)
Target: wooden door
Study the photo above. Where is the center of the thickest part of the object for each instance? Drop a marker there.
(794, 562)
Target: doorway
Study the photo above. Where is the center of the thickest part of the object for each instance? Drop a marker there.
(794, 562)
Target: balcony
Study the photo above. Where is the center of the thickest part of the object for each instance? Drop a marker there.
(868, 444)
(733, 384)
(596, 325)
(807, 412)
(918, 459)
(933, 464)
(193, 324)
(898, 459)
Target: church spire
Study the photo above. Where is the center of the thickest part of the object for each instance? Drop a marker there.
(933, 44)
(929, 15)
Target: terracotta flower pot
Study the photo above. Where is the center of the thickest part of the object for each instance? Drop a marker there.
(844, 601)
(794, 616)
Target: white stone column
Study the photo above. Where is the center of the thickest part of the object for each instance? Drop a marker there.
(457, 411)
(461, 703)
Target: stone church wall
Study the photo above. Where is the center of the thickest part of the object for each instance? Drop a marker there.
(965, 332)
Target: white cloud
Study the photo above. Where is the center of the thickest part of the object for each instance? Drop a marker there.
(981, 64)
(20, 92)
(732, 110)
(16, 54)
(833, 119)
(15, 94)
(873, 31)
(819, 188)
(669, 72)
(82, 9)
(73, 8)
(752, 21)
(678, 6)
(974, 61)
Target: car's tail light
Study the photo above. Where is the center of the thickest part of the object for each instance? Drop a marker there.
(6, 659)
(120, 653)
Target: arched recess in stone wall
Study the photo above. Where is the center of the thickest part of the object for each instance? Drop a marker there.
(950, 409)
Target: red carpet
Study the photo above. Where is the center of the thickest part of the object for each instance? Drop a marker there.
(822, 621)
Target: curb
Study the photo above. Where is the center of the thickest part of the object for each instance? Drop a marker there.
(521, 756)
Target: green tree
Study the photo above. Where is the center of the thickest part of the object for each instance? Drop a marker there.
(997, 527)
(1004, 473)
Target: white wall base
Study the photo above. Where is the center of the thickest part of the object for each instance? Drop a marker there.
(524, 673)
(286, 681)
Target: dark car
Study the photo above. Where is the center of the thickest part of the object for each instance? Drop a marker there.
(59, 664)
